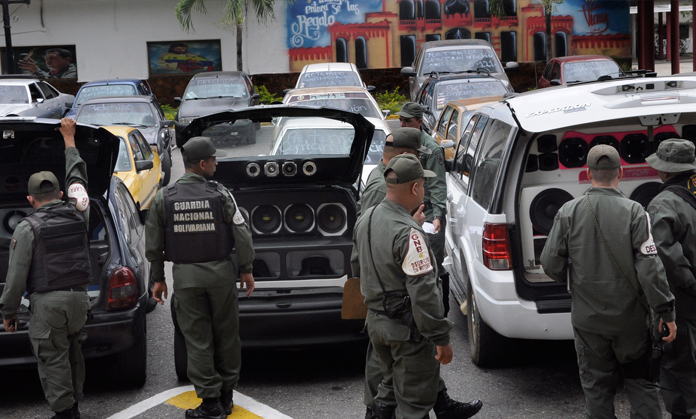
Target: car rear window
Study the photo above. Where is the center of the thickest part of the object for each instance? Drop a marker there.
(207, 88)
(467, 89)
(13, 94)
(123, 161)
(128, 114)
(328, 78)
(589, 70)
(91, 92)
(356, 102)
(461, 60)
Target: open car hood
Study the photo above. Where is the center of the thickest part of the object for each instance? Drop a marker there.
(258, 170)
(29, 145)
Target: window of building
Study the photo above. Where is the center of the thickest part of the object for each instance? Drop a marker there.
(361, 52)
(341, 50)
(461, 7)
(408, 49)
(486, 36)
(432, 9)
(540, 46)
(482, 9)
(407, 10)
(560, 40)
(433, 37)
(510, 7)
(508, 46)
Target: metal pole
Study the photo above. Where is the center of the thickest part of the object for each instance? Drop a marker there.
(9, 55)
(661, 48)
(675, 36)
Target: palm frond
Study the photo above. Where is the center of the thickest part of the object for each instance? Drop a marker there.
(184, 9)
(263, 10)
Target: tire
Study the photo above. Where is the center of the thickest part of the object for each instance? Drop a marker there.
(131, 365)
(166, 167)
(487, 347)
(180, 353)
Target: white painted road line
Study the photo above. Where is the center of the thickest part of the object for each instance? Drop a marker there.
(240, 400)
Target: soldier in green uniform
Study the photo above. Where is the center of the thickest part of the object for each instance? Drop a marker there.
(196, 223)
(673, 214)
(435, 200)
(614, 270)
(405, 321)
(58, 298)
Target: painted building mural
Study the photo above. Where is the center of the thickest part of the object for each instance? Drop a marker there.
(387, 33)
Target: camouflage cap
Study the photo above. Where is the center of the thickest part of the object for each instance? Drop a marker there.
(407, 168)
(42, 182)
(407, 138)
(199, 148)
(603, 157)
(411, 110)
(673, 156)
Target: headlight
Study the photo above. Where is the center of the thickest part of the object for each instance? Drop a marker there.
(331, 219)
(186, 120)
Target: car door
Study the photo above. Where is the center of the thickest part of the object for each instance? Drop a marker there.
(51, 103)
(131, 231)
(38, 109)
(148, 178)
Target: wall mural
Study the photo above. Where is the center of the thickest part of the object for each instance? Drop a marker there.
(387, 33)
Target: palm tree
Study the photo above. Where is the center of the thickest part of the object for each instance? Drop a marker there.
(235, 14)
(549, 7)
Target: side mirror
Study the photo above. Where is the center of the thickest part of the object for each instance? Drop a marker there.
(167, 123)
(408, 72)
(141, 165)
(447, 144)
(512, 65)
(555, 82)
(177, 100)
(370, 88)
(40, 100)
(386, 112)
(255, 96)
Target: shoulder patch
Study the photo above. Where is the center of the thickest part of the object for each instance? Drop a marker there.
(78, 192)
(417, 261)
(648, 247)
(238, 218)
(440, 158)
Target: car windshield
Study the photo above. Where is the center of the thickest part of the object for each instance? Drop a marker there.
(312, 136)
(453, 60)
(590, 70)
(208, 88)
(92, 92)
(328, 78)
(129, 114)
(376, 147)
(357, 102)
(123, 161)
(467, 89)
(13, 94)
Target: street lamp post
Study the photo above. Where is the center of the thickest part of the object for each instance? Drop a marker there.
(9, 55)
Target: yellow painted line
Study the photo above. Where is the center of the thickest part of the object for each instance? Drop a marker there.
(189, 400)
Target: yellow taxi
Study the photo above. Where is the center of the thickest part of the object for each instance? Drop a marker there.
(454, 119)
(138, 165)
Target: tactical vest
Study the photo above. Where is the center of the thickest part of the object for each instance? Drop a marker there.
(61, 250)
(196, 230)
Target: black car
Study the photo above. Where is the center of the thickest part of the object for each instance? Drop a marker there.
(120, 272)
(301, 207)
(142, 112)
(218, 91)
(440, 88)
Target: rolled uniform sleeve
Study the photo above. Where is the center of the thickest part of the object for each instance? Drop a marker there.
(649, 268)
(154, 237)
(21, 253)
(437, 186)
(243, 242)
(76, 172)
(554, 257)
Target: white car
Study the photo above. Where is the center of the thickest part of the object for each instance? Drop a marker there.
(330, 75)
(517, 163)
(352, 99)
(31, 97)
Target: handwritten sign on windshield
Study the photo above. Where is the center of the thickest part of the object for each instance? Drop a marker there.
(216, 87)
(589, 70)
(329, 78)
(466, 90)
(460, 60)
(316, 141)
(107, 90)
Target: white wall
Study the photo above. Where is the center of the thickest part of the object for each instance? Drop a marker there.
(110, 36)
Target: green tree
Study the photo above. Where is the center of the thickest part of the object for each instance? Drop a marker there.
(234, 15)
(497, 8)
(549, 7)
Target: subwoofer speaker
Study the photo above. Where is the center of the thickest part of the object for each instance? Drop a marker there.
(548, 161)
(12, 219)
(299, 218)
(544, 208)
(644, 193)
(634, 148)
(266, 219)
(547, 144)
(573, 152)
(606, 140)
(331, 219)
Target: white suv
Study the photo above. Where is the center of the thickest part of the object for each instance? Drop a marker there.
(516, 164)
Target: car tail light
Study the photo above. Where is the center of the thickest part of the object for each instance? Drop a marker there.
(123, 289)
(496, 247)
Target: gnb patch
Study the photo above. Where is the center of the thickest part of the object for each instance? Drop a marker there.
(238, 218)
(78, 192)
(417, 261)
(648, 247)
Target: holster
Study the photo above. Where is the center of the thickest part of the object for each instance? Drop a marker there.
(648, 365)
(409, 321)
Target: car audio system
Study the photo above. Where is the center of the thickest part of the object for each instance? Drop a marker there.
(266, 219)
(331, 219)
(299, 218)
(10, 219)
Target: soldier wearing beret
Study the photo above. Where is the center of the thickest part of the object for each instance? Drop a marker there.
(43, 244)
(601, 244)
(435, 200)
(405, 321)
(196, 223)
(673, 214)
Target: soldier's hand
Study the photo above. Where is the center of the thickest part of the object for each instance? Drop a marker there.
(247, 281)
(159, 288)
(67, 128)
(418, 216)
(444, 354)
(672, 326)
(436, 224)
(10, 324)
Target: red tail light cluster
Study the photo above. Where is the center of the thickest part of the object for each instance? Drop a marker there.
(123, 289)
(496, 247)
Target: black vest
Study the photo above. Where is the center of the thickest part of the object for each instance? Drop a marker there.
(196, 230)
(61, 250)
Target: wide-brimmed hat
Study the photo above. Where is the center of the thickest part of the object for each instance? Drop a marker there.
(674, 155)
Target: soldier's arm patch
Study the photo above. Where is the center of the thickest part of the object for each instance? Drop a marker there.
(417, 261)
(14, 244)
(238, 218)
(78, 192)
(648, 247)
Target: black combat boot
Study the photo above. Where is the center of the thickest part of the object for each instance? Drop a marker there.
(368, 413)
(226, 400)
(383, 411)
(75, 411)
(65, 414)
(209, 409)
(446, 408)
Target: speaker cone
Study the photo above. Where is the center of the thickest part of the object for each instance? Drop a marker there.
(289, 168)
(573, 152)
(606, 140)
(548, 161)
(331, 219)
(547, 144)
(634, 148)
(544, 208)
(299, 218)
(266, 219)
(532, 163)
(12, 219)
(253, 169)
(271, 169)
(645, 193)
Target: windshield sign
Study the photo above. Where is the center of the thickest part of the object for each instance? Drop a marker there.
(13, 94)
(466, 90)
(328, 78)
(92, 92)
(460, 60)
(351, 102)
(589, 70)
(129, 114)
(206, 88)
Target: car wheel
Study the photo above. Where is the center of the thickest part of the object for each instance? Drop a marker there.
(166, 167)
(180, 353)
(131, 365)
(487, 347)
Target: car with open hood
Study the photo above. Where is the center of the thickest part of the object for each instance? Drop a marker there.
(120, 272)
(301, 208)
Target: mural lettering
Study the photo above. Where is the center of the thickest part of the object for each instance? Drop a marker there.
(597, 22)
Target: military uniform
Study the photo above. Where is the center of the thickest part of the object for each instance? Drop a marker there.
(375, 189)
(673, 219)
(611, 325)
(58, 316)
